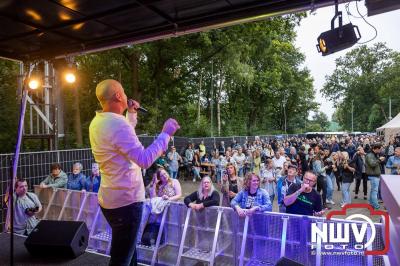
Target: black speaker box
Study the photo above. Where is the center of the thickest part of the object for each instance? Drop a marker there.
(287, 262)
(58, 239)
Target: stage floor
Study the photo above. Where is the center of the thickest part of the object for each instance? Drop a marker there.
(22, 256)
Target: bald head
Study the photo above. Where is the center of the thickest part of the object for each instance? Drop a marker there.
(106, 89)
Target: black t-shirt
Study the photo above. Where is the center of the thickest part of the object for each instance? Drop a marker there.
(306, 203)
(250, 200)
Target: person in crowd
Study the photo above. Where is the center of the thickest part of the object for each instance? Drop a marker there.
(56, 179)
(164, 187)
(373, 171)
(173, 161)
(221, 148)
(319, 169)
(337, 168)
(248, 162)
(205, 196)
(303, 163)
(121, 156)
(196, 165)
(92, 183)
(284, 183)
(330, 177)
(163, 161)
(256, 161)
(26, 206)
(302, 198)
(188, 159)
(251, 198)
(231, 184)
(360, 174)
(348, 178)
(202, 148)
(240, 158)
(76, 180)
(393, 163)
(310, 158)
(215, 166)
(269, 179)
(278, 160)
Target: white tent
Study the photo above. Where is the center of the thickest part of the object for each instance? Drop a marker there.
(391, 129)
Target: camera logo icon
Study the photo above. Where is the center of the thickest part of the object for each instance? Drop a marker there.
(337, 235)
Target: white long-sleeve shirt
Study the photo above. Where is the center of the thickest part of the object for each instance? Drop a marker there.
(121, 156)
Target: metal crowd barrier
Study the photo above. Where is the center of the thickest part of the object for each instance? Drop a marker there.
(215, 236)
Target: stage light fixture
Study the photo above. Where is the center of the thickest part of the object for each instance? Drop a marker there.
(337, 39)
(70, 77)
(33, 83)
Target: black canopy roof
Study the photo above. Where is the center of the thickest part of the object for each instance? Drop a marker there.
(33, 29)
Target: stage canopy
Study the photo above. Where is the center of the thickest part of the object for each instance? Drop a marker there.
(46, 29)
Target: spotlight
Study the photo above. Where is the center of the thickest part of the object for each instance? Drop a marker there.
(337, 39)
(70, 77)
(33, 84)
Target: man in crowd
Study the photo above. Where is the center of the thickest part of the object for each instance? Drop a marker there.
(57, 178)
(373, 171)
(240, 158)
(26, 205)
(303, 198)
(393, 162)
(173, 161)
(284, 184)
(121, 156)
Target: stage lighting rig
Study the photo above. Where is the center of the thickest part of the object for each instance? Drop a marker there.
(337, 39)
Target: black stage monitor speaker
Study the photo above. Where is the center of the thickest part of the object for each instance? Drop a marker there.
(58, 239)
(287, 262)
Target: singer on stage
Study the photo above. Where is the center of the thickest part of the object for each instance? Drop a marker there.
(121, 156)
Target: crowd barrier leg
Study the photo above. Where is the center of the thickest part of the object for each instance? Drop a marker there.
(82, 206)
(214, 246)
(370, 261)
(183, 236)
(69, 192)
(284, 233)
(244, 239)
(160, 232)
(49, 204)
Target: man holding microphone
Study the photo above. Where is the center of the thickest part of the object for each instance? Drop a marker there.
(121, 156)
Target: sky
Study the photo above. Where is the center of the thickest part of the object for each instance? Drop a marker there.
(387, 25)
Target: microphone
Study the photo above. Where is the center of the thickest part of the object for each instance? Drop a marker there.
(141, 109)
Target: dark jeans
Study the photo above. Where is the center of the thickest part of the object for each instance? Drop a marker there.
(124, 222)
(321, 185)
(364, 179)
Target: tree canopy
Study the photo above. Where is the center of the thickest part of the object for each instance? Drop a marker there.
(241, 80)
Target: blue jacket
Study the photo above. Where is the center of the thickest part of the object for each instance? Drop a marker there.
(76, 182)
(92, 185)
(392, 164)
(262, 200)
(282, 187)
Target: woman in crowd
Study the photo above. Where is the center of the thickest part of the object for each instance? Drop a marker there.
(165, 187)
(92, 183)
(205, 196)
(215, 161)
(162, 187)
(256, 162)
(337, 168)
(320, 170)
(269, 179)
(231, 184)
(251, 198)
(348, 178)
(76, 180)
(196, 165)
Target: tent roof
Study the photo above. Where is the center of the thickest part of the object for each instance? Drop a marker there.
(45, 29)
(394, 123)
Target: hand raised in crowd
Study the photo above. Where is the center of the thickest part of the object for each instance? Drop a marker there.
(170, 127)
(304, 187)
